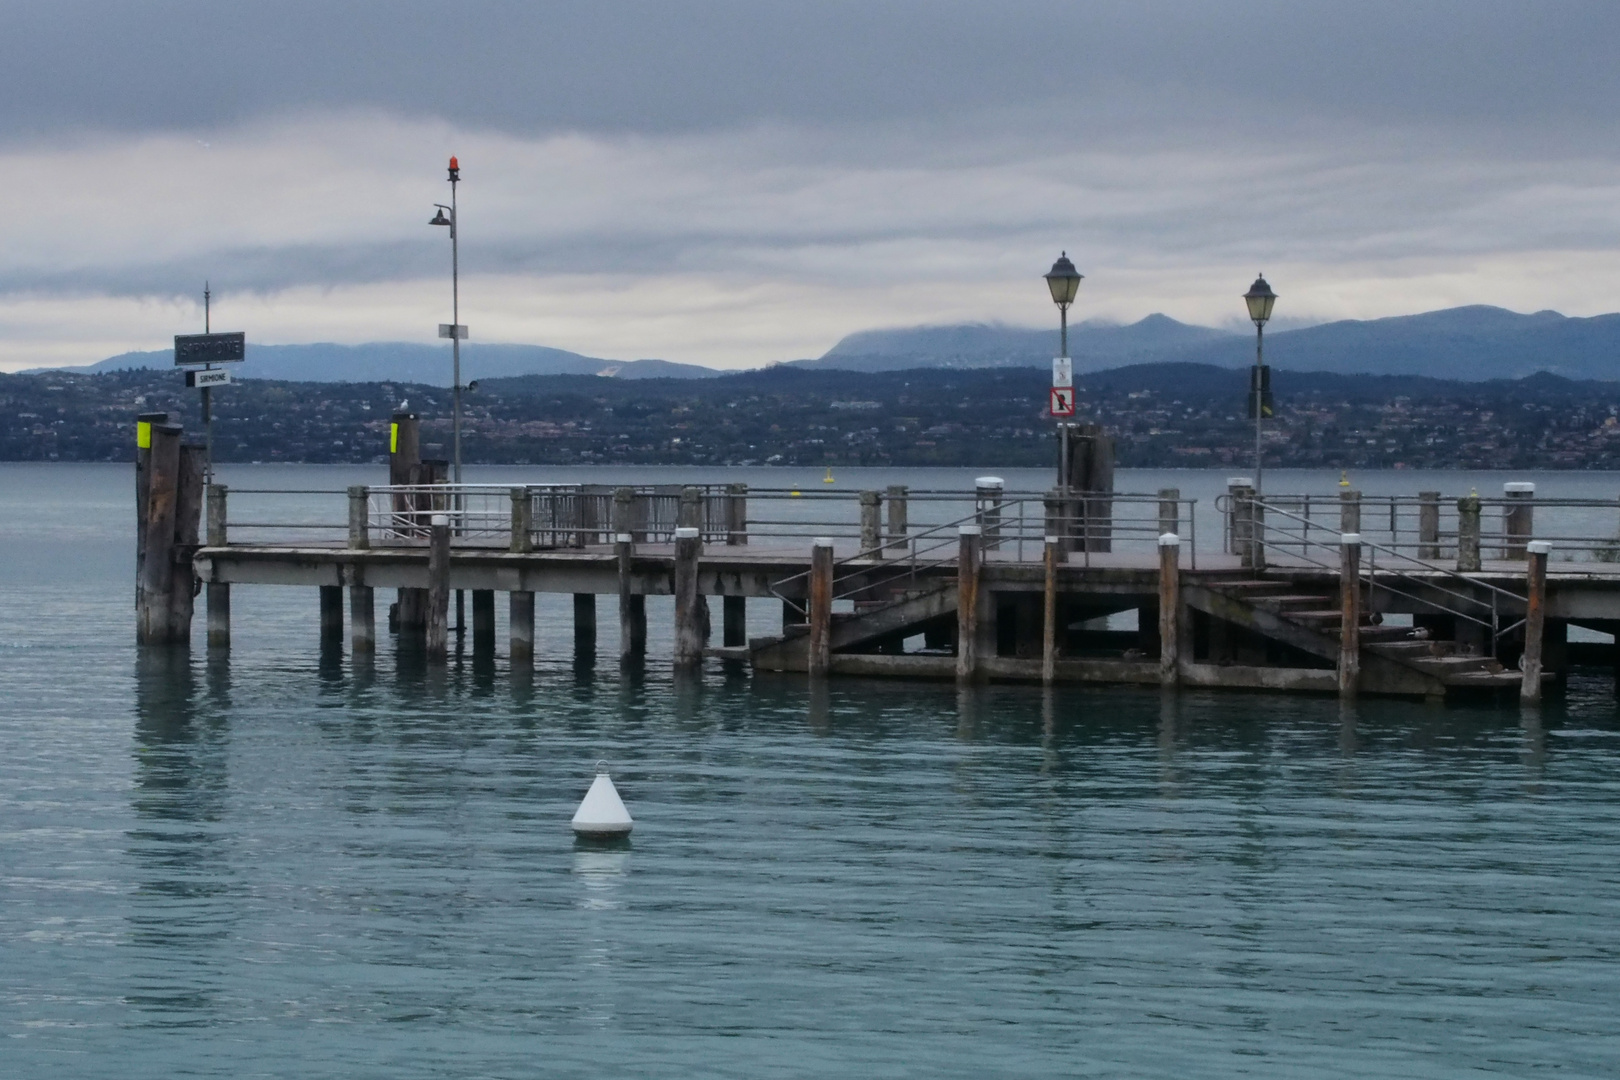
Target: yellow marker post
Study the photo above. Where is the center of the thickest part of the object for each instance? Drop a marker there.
(143, 435)
(393, 438)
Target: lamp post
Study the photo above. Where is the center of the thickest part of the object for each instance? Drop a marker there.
(1064, 282)
(455, 332)
(1260, 299)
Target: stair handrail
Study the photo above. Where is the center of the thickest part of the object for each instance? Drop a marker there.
(1369, 570)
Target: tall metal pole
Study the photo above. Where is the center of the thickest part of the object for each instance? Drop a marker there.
(1258, 393)
(208, 400)
(1063, 425)
(455, 322)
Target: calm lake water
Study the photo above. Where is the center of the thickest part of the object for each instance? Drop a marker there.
(288, 864)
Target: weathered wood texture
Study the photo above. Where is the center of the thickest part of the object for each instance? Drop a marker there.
(820, 607)
(688, 615)
(969, 558)
(520, 626)
(438, 591)
(1349, 615)
(1535, 615)
(1169, 609)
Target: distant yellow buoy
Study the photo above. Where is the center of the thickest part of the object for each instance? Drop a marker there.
(828, 479)
(794, 493)
(1344, 479)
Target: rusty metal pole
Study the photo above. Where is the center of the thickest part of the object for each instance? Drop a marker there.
(1535, 618)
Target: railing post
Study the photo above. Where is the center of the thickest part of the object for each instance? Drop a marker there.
(522, 541)
(1349, 613)
(987, 510)
(1169, 609)
(1518, 518)
(1428, 524)
(871, 524)
(688, 612)
(1535, 618)
(1049, 560)
(438, 591)
(1170, 511)
(968, 557)
(898, 525)
(820, 605)
(1468, 533)
(736, 514)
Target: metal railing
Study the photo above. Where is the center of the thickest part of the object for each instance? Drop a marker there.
(1428, 583)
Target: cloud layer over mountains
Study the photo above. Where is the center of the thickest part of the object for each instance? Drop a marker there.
(737, 183)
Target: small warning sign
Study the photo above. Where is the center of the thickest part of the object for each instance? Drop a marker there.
(1062, 401)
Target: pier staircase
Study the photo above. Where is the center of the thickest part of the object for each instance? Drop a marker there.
(1394, 659)
(889, 619)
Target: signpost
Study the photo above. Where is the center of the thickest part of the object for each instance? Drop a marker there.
(201, 352)
(1062, 407)
(1063, 401)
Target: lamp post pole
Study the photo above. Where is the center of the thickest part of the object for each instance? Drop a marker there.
(455, 318)
(1063, 280)
(1260, 300)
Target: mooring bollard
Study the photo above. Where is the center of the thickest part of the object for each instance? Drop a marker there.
(359, 517)
(1349, 613)
(1240, 497)
(736, 514)
(688, 613)
(1535, 618)
(1349, 512)
(1169, 609)
(438, 590)
(969, 554)
(987, 492)
(820, 606)
(1518, 518)
(1468, 533)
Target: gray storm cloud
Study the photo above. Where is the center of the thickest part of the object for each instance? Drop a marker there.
(766, 177)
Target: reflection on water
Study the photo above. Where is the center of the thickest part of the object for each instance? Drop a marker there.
(321, 865)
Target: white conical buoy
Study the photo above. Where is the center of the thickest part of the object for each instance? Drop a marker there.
(601, 813)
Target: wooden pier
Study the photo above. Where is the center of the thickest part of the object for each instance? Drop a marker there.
(1420, 595)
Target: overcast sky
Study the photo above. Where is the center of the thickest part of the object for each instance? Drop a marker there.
(741, 183)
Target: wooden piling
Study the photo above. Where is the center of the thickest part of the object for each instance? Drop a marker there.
(483, 620)
(1518, 518)
(896, 500)
(689, 514)
(219, 592)
(522, 540)
(871, 524)
(1349, 512)
(331, 616)
(520, 626)
(144, 423)
(188, 512)
(1349, 613)
(987, 491)
(438, 590)
(1241, 494)
(1428, 525)
(734, 621)
(820, 606)
(359, 517)
(157, 528)
(584, 625)
(1468, 533)
(969, 557)
(1535, 617)
(1049, 561)
(688, 614)
(362, 619)
(1169, 609)
(632, 607)
(1170, 511)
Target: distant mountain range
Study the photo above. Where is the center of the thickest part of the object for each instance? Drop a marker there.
(1467, 343)
(405, 362)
